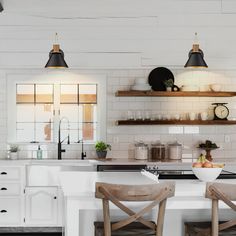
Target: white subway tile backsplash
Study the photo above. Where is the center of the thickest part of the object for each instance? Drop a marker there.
(191, 130)
(143, 99)
(207, 129)
(147, 138)
(176, 130)
(127, 99)
(136, 106)
(168, 106)
(119, 154)
(152, 106)
(121, 106)
(122, 138)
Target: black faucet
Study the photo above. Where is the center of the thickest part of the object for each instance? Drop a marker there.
(83, 154)
(59, 144)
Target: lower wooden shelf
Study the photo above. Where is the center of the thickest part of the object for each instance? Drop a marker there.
(133, 93)
(176, 122)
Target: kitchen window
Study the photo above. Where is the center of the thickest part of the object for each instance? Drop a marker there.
(78, 102)
(36, 105)
(34, 112)
(39, 108)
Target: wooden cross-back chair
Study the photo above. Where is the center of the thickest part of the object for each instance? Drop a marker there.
(156, 194)
(216, 192)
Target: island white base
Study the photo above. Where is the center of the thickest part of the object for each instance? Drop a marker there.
(82, 224)
(82, 208)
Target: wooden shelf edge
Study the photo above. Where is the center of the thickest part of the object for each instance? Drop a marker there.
(133, 93)
(176, 122)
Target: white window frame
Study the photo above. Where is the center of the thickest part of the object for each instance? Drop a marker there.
(56, 78)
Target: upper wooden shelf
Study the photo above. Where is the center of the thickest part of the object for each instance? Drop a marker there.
(133, 93)
(176, 122)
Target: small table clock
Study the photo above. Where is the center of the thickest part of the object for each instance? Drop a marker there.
(221, 112)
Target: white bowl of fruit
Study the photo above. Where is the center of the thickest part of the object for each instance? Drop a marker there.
(205, 170)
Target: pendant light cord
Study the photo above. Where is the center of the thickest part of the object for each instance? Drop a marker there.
(56, 38)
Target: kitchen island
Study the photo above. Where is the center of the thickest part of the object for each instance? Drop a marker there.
(82, 209)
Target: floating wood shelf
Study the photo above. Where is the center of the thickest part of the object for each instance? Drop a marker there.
(133, 93)
(176, 122)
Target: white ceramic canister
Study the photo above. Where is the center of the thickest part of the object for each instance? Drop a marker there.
(175, 151)
(141, 151)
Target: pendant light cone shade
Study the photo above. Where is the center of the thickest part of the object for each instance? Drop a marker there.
(56, 58)
(196, 58)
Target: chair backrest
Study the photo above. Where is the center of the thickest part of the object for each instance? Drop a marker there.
(157, 193)
(225, 193)
(229, 190)
(135, 192)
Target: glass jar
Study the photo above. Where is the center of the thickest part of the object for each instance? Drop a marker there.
(175, 151)
(158, 152)
(141, 151)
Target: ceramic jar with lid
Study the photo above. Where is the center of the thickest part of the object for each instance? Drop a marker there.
(175, 151)
(158, 152)
(141, 151)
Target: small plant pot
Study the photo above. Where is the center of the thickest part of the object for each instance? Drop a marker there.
(101, 154)
(169, 89)
(13, 155)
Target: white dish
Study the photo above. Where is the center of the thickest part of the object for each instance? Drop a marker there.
(204, 88)
(141, 87)
(189, 88)
(215, 87)
(140, 81)
(206, 174)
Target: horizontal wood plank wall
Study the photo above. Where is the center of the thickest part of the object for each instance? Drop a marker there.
(111, 34)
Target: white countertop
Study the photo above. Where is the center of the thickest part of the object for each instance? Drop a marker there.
(48, 162)
(86, 182)
(189, 194)
(177, 165)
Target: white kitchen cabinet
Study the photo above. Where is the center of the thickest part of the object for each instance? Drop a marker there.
(30, 194)
(41, 206)
(11, 195)
(10, 173)
(10, 211)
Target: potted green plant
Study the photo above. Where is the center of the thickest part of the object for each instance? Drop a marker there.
(13, 151)
(169, 84)
(102, 148)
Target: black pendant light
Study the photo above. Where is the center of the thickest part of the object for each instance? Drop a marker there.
(1, 7)
(56, 57)
(196, 57)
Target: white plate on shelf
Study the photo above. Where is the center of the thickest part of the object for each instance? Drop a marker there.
(141, 87)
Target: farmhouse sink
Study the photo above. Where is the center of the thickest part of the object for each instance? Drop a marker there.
(48, 175)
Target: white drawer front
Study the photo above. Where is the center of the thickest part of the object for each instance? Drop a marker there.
(10, 173)
(7, 189)
(10, 211)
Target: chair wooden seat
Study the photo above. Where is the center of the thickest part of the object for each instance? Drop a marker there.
(195, 228)
(216, 192)
(134, 224)
(133, 229)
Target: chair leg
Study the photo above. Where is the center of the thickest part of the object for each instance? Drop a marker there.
(186, 230)
(160, 219)
(106, 216)
(215, 220)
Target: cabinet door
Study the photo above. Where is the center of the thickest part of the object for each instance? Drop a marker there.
(41, 206)
(10, 211)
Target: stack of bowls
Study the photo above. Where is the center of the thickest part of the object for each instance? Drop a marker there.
(141, 84)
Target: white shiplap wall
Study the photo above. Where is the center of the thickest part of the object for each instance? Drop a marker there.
(125, 40)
